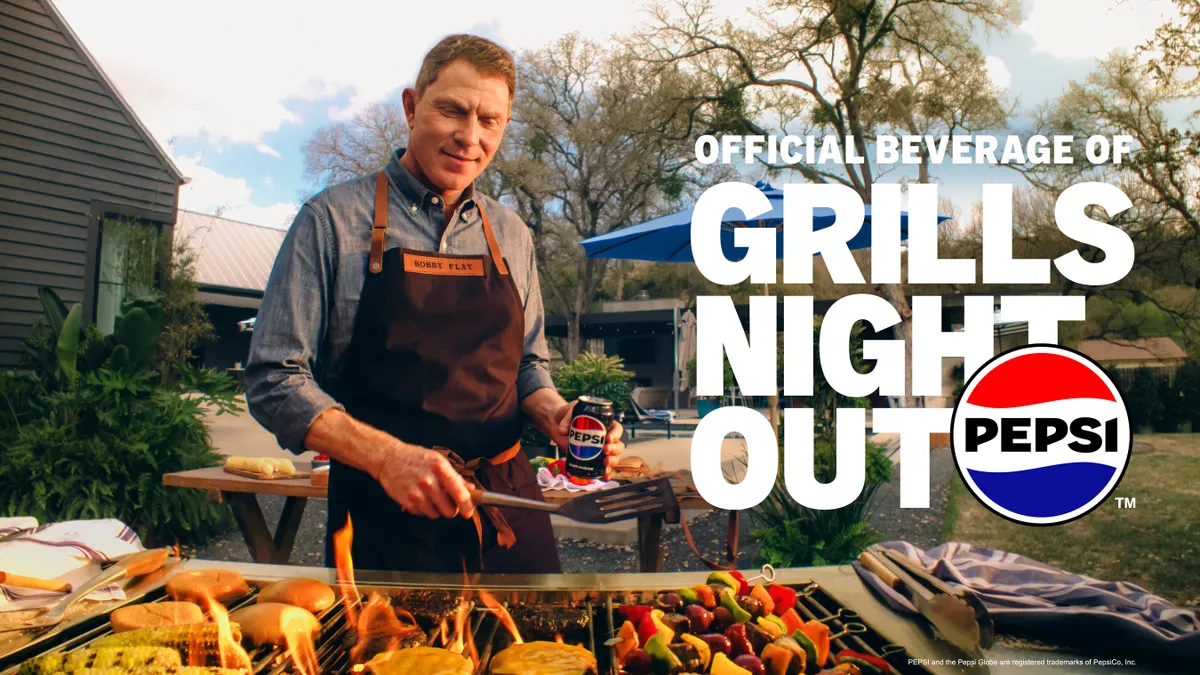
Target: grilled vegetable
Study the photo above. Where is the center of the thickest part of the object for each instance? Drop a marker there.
(865, 662)
(160, 670)
(721, 665)
(730, 602)
(705, 595)
(106, 657)
(783, 597)
(760, 592)
(196, 643)
(629, 641)
(819, 634)
(662, 658)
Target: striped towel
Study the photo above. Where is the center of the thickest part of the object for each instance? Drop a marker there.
(1026, 597)
(69, 551)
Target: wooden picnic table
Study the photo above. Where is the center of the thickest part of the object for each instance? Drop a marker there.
(242, 493)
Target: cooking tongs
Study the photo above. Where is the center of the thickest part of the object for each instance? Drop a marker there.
(128, 567)
(959, 616)
(609, 505)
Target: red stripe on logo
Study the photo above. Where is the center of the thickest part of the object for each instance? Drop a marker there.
(1037, 378)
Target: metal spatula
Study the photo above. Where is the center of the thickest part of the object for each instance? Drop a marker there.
(602, 506)
(133, 565)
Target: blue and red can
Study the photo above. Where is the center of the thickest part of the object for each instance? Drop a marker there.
(590, 422)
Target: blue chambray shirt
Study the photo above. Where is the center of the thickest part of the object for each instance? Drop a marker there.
(307, 315)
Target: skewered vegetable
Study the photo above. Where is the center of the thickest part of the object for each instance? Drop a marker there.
(776, 659)
(758, 637)
(768, 604)
(706, 595)
(678, 623)
(634, 613)
(865, 662)
(738, 640)
(722, 619)
(784, 598)
(774, 629)
(806, 643)
(751, 663)
(669, 601)
(196, 643)
(699, 618)
(703, 651)
(723, 666)
(689, 657)
(819, 634)
(718, 643)
(729, 602)
(751, 604)
(663, 659)
(791, 621)
(107, 657)
(629, 641)
(638, 662)
(724, 578)
(689, 596)
(799, 656)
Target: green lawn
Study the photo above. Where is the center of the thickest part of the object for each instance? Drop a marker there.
(1156, 545)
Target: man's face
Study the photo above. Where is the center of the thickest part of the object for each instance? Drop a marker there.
(457, 124)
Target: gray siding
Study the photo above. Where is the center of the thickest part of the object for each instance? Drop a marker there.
(68, 144)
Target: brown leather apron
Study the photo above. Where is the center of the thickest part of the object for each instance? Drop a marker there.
(438, 341)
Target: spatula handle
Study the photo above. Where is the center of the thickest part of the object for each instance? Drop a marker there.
(484, 498)
(873, 564)
(19, 581)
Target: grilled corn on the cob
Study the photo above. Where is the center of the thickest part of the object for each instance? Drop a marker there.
(158, 670)
(263, 465)
(196, 643)
(106, 657)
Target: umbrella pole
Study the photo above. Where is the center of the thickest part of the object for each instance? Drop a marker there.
(773, 401)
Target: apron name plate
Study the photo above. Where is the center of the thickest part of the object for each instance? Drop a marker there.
(448, 267)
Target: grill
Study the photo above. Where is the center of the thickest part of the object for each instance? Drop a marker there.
(332, 646)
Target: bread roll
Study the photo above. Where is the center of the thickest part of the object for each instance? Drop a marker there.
(420, 661)
(222, 585)
(155, 614)
(265, 622)
(308, 594)
(544, 658)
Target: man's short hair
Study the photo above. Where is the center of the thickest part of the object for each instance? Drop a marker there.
(489, 58)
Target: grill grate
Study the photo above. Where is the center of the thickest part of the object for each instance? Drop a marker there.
(332, 646)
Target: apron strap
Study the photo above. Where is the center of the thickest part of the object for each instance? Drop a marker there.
(379, 228)
(492, 245)
(468, 470)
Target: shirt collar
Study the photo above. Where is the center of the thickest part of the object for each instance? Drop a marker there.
(413, 190)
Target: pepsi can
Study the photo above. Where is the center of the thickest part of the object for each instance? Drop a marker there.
(590, 422)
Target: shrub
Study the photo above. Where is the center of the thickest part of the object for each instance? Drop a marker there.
(92, 426)
(791, 535)
(591, 375)
(588, 375)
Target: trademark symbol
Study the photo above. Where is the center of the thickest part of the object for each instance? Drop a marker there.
(1126, 502)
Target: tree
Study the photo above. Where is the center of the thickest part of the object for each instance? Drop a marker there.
(847, 68)
(344, 150)
(597, 142)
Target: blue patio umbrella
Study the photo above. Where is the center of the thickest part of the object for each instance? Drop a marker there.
(669, 238)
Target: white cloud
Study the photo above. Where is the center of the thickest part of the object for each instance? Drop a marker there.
(212, 192)
(998, 72)
(1093, 28)
(228, 67)
(268, 150)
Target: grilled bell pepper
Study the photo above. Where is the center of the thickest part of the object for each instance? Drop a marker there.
(806, 643)
(784, 597)
(729, 602)
(721, 665)
(791, 621)
(764, 597)
(743, 586)
(629, 641)
(661, 656)
(634, 613)
(865, 662)
(706, 595)
(819, 634)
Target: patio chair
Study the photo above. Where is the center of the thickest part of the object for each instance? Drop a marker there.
(639, 417)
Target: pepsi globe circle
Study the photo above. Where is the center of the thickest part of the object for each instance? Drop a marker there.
(1041, 435)
(590, 421)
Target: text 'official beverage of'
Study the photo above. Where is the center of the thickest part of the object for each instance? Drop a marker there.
(585, 438)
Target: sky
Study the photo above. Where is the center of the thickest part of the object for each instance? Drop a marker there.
(232, 89)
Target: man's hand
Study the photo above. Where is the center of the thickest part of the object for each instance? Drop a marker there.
(423, 482)
(551, 415)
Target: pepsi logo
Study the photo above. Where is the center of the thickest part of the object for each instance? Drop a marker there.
(1041, 435)
(585, 438)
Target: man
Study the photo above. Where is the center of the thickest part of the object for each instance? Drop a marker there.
(401, 334)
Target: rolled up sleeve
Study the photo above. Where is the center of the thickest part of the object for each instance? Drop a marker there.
(535, 363)
(282, 393)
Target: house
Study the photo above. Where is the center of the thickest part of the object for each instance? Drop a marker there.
(233, 262)
(1158, 352)
(76, 165)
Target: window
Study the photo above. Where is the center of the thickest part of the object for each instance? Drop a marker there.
(129, 251)
(125, 258)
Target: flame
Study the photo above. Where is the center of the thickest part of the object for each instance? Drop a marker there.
(458, 643)
(501, 613)
(231, 653)
(381, 626)
(345, 571)
(558, 638)
(444, 632)
(295, 626)
(358, 668)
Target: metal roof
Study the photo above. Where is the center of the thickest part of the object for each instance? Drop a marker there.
(230, 254)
